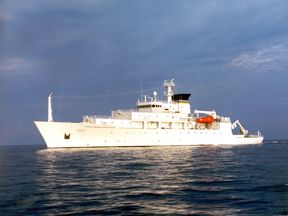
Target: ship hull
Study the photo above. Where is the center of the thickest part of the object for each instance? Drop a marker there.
(76, 135)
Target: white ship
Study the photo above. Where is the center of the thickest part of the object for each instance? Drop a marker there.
(153, 123)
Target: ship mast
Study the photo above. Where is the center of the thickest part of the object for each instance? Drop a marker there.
(50, 116)
(169, 87)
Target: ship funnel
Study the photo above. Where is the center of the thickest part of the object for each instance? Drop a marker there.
(50, 116)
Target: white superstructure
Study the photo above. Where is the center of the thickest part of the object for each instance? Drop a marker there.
(153, 123)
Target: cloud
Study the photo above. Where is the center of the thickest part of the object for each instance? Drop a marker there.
(272, 58)
(15, 66)
(4, 15)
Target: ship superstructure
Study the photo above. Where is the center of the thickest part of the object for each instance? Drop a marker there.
(153, 122)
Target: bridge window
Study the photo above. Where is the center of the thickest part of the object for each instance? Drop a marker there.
(148, 106)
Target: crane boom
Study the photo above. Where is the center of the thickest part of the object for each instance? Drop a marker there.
(242, 129)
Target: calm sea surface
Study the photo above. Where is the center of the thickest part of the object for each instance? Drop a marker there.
(207, 180)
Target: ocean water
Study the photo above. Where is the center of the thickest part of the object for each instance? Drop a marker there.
(201, 180)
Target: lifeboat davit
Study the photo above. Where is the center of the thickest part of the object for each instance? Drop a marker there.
(206, 119)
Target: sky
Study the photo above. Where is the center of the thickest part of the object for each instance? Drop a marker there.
(92, 54)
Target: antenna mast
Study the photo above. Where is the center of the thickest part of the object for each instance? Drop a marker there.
(169, 85)
(50, 116)
(141, 91)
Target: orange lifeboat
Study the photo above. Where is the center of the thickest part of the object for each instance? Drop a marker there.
(206, 119)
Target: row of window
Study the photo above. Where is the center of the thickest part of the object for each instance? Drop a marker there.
(149, 106)
(179, 133)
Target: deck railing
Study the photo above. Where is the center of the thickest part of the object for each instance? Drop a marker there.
(92, 118)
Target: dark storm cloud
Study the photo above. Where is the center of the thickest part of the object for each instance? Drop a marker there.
(128, 35)
(224, 52)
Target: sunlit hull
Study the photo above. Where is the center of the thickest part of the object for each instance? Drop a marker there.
(65, 134)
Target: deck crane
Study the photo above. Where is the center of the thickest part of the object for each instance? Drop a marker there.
(242, 129)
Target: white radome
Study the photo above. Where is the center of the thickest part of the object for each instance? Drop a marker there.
(152, 123)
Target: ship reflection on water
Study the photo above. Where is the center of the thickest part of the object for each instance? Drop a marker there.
(171, 180)
(203, 180)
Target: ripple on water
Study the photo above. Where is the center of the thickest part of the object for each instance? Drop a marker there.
(146, 181)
